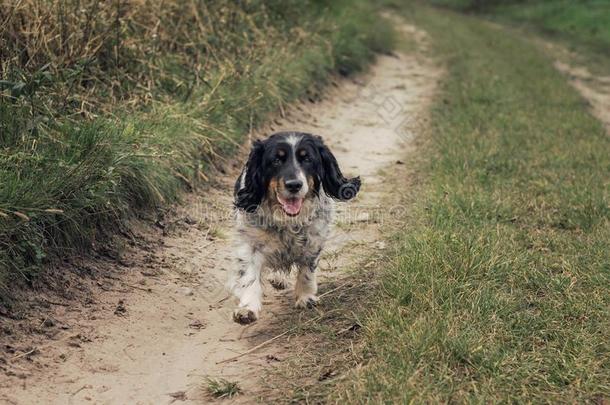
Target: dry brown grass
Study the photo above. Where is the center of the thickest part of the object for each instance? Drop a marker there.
(130, 50)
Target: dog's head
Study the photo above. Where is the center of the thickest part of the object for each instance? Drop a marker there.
(287, 169)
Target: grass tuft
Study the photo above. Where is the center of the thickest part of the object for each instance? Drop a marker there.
(221, 388)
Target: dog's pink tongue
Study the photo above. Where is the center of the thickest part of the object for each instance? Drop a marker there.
(292, 206)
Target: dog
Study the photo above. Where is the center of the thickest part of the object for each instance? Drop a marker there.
(284, 207)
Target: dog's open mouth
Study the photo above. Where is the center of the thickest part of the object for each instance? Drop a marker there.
(291, 206)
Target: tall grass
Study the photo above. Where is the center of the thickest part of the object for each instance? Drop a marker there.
(109, 109)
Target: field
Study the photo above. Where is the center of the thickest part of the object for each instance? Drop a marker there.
(499, 290)
(582, 23)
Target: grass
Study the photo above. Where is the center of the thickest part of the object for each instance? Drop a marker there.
(499, 288)
(585, 22)
(221, 388)
(108, 111)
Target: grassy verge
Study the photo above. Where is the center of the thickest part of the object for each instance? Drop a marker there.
(585, 22)
(109, 110)
(500, 290)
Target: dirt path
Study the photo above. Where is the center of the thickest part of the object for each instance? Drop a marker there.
(164, 324)
(595, 89)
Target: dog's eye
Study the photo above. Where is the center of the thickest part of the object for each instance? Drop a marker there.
(304, 157)
(277, 161)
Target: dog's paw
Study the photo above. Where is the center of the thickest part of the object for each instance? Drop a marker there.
(244, 316)
(306, 301)
(278, 280)
(278, 284)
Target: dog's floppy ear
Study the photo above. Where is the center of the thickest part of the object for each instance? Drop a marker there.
(334, 183)
(249, 187)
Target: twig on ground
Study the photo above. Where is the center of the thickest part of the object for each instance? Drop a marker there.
(55, 303)
(128, 284)
(266, 342)
(24, 353)
(220, 301)
(86, 386)
(38, 348)
(335, 289)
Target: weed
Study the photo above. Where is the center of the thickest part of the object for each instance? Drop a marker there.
(221, 388)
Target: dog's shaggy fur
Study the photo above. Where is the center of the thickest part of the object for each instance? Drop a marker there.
(283, 199)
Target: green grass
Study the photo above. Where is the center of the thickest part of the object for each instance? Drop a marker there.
(89, 140)
(584, 22)
(221, 388)
(499, 290)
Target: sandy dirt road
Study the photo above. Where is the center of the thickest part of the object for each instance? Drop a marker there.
(155, 327)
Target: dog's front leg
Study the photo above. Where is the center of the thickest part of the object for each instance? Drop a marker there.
(246, 285)
(306, 286)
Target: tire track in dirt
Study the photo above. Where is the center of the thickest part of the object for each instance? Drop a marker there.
(593, 88)
(165, 324)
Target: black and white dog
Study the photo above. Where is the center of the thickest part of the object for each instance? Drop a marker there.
(284, 208)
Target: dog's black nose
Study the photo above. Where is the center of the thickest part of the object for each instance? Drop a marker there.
(294, 185)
